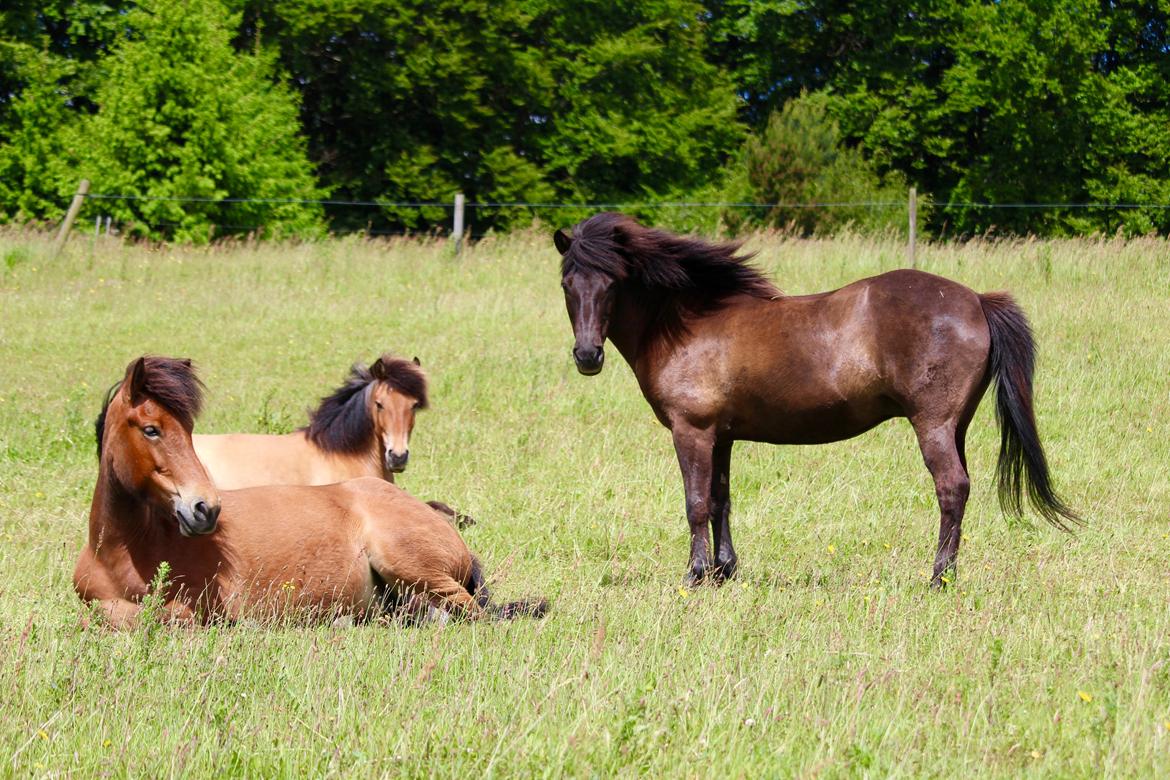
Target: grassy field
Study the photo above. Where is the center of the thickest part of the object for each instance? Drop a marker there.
(829, 656)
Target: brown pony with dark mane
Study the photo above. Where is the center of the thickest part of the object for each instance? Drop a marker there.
(362, 429)
(722, 355)
(352, 548)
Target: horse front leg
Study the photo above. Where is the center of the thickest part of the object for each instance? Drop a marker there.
(695, 450)
(726, 561)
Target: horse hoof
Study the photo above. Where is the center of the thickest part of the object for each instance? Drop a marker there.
(725, 571)
(943, 578)
(694, 578)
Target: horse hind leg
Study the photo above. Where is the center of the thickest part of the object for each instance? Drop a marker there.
(472, 602)
(942, 452)
(450, 595)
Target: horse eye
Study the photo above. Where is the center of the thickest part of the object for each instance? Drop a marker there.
(151, 432)
(417, 404)
(378, 404)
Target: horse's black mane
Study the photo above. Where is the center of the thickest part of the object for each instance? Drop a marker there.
(342, 422)
(700, 274)
(170, 382)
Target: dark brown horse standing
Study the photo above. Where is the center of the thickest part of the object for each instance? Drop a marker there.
(721, 354)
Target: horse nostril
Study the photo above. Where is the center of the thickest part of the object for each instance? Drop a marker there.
(591, 355)
(204, 512)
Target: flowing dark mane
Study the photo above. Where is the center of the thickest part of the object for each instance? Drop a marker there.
(703, 274)
(342, 423)
(170, 382)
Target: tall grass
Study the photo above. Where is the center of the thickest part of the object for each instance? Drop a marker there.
(828, 656)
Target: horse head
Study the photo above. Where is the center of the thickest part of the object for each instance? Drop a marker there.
(589, 297)
(397, 393)
(144, 439)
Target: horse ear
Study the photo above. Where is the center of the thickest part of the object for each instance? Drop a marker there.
(562, 241)
(378, 369)
(135, 381)
(415, 361)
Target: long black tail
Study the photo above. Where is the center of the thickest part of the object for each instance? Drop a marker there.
(1021, 457)
(477, 586)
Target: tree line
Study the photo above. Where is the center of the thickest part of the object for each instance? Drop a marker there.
(511, 102)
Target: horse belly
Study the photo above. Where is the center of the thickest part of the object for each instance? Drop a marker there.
(329, 587)
(817, 425)
(295, 550)
(826, 389)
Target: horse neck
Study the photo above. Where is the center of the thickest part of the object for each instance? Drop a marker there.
(368, 462)
(118, 517)
(632, 328)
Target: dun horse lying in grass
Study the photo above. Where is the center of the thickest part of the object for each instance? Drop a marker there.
(722, 355)
(351, 548)
(361, 430)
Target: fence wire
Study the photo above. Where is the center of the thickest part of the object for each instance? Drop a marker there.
(535, 206)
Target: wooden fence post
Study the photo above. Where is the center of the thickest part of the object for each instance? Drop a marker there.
(70, 215)
(912, 248)
(457, 229)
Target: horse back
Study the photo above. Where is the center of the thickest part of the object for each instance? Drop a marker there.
(823, 367)
(243, 460)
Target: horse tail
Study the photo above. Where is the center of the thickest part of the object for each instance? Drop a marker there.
(1021, 457)
(477, 586)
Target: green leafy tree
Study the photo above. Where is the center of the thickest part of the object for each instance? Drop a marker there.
(507, 101)
(1060, 101)
(407, 101)
(801, 165)
(50, 53)
(637, 110)
(71, 35)
(183, 115)
(34, 170)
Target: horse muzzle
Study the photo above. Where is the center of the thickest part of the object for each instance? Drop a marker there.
(396, 461)
(196, 518)
(589, 360)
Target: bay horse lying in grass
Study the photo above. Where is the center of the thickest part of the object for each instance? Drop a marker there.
(721, 355)
(362, 429)
(350, 548)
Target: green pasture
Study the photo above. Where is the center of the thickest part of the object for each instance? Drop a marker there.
(828, 657)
